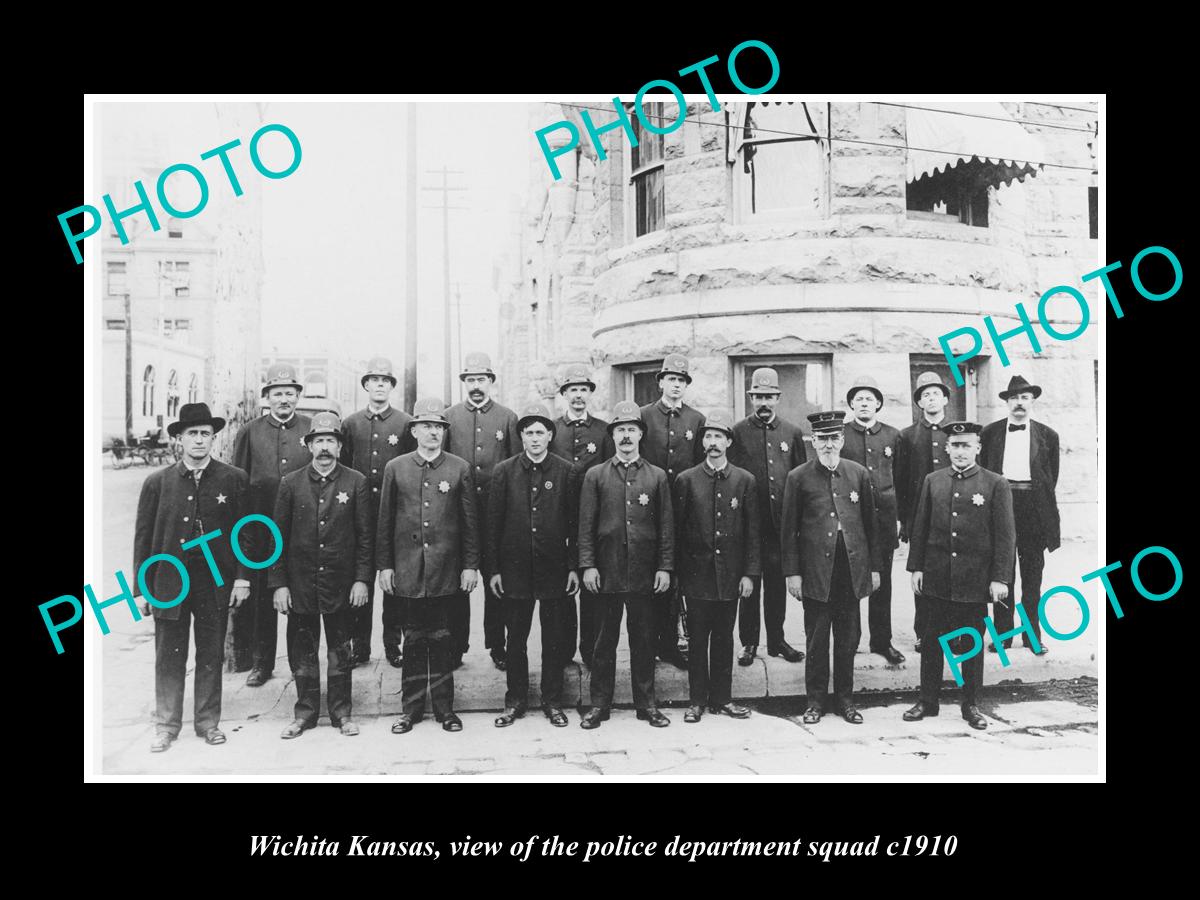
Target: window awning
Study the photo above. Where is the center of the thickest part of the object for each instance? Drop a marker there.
(994, 149)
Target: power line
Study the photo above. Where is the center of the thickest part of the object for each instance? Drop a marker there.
(1060, 106)
(955, 112)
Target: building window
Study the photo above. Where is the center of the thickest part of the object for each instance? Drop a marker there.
(806, 382)
(182, 290)
(114, 324)
(183, 324)
(315, 384)
(173, 393)
(962, 400)
(193, 389)
(174, 228)
(638, 382)
(1093, 212)
(116, 279)
(148, 391)
(779, 160)
(957, 194)
(646, 172)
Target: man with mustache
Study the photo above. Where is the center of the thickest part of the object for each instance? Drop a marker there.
(716, 529)
(627, 552)
(483, 433)
(583, 440)
(921, 450)
(672, 443)
(530, 558)
(871, 443)
(324, 513)
(831, 558)
(1026, 453)
(267, 449)
(768, 447)
(372, 438)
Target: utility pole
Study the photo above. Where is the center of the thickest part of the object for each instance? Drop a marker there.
(458, 315)
(445, 208)
(410, 228)
(128, 368)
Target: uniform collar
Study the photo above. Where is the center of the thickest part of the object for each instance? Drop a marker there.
(772, 425)
(723, 472)
(433, 463)
(486, 407)
(585, 420)
(616, 461)
(314, 475)
(929, 426)
(863, 429)
(187, 472)
(669, 410)
(387, 411)
(968, 472)
(528, 463)
(290, 423)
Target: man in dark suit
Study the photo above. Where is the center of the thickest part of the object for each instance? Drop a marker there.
(582, 440)
(530, 557)
(960, 554)
(1025, 452)
(768, 447)
(187, 511)
(831, 559)
(371, 439)
(267, 449)
(324, 513)
(717, 562)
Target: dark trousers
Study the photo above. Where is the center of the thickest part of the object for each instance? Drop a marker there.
(493, 620)
(710, 659)
(944, 616)
(266, 622)
(362, 620)
(427, 651)
(640, 630)
(303, 640)
(518, 618)
(774, 599)
(1031, 556)
(668, 607)
(208, 605)
(879, 608)
(393, 623)
(458, 620)
(582, 626)
(840, 614)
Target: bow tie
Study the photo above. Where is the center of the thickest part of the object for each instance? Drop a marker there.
(1016, 427)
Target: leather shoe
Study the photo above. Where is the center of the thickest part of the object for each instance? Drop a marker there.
(747, 655)
(257, 678)
(654, 717)
(452, 723)
(402, 725)
(593, 717)
(917, 645)
(294, 730)
(499, 660)
(787, 651)
(974, 717)
(556, 716)
(921, 710)
(214, 736)
(812, 715)
(395, 660)
(891, 654)
(1042, 650)
(675, 658)
(162, 741)
(851, 714)
(732, 710)
(693, 715)
(348, 727)
(509, 716)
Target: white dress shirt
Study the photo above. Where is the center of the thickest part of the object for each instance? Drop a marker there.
(1016, 452)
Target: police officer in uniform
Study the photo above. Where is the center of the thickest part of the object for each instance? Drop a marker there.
(179, 505)
(717, 562)
(831, 558)
(922, 449)
(324, 513)
(871, 443)
(427, 553)
(1025, 452)
(583, 440)
(963, 542)
(530, 559)
(768, 447)
(627, 552)
(672, 443)
(267, 449)
(483, 433)
(372, 438)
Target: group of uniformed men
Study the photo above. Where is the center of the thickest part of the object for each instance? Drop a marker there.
(677, 519)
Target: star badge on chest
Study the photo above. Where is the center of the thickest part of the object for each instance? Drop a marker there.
(644, 499)
(221, 498)
(887, 451)
(342, 497)
(549, 485)
(854, 496)
(782, 446)
(977, 499)
(499, 435)
(689, 434)
(591, 447)
(444, 487)
(393, 440)
(733, 504)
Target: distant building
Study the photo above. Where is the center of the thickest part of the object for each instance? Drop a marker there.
(327, 378)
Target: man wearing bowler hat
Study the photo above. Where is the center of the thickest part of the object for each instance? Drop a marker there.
(921, 450)
(1025, 452)
(483, 433)
(324, 514)
(831, 558)
(627, 552)
(871, 443)
(530, 558)
(768, 447)
(960, 556)
(717, 562)
(372, 438)
(181, 509)
(267, 449)
(583, 440)
(672, 443)
(427, 553)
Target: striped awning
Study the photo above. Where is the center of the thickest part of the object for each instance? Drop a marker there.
(980, 138)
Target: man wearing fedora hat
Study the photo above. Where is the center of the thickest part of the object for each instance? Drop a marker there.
(717, 562)
(871, 443)
(325, 517)
(267, 449)
(530, 558)
(768, 447)
(372, 438)
(181, 507)
(672, 443)
(921, 450)
(483, 433)
(583, 440)
(626, 552)
(427, 553)
(1025, 452)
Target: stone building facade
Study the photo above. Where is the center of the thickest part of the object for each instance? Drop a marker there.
(829, 240)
